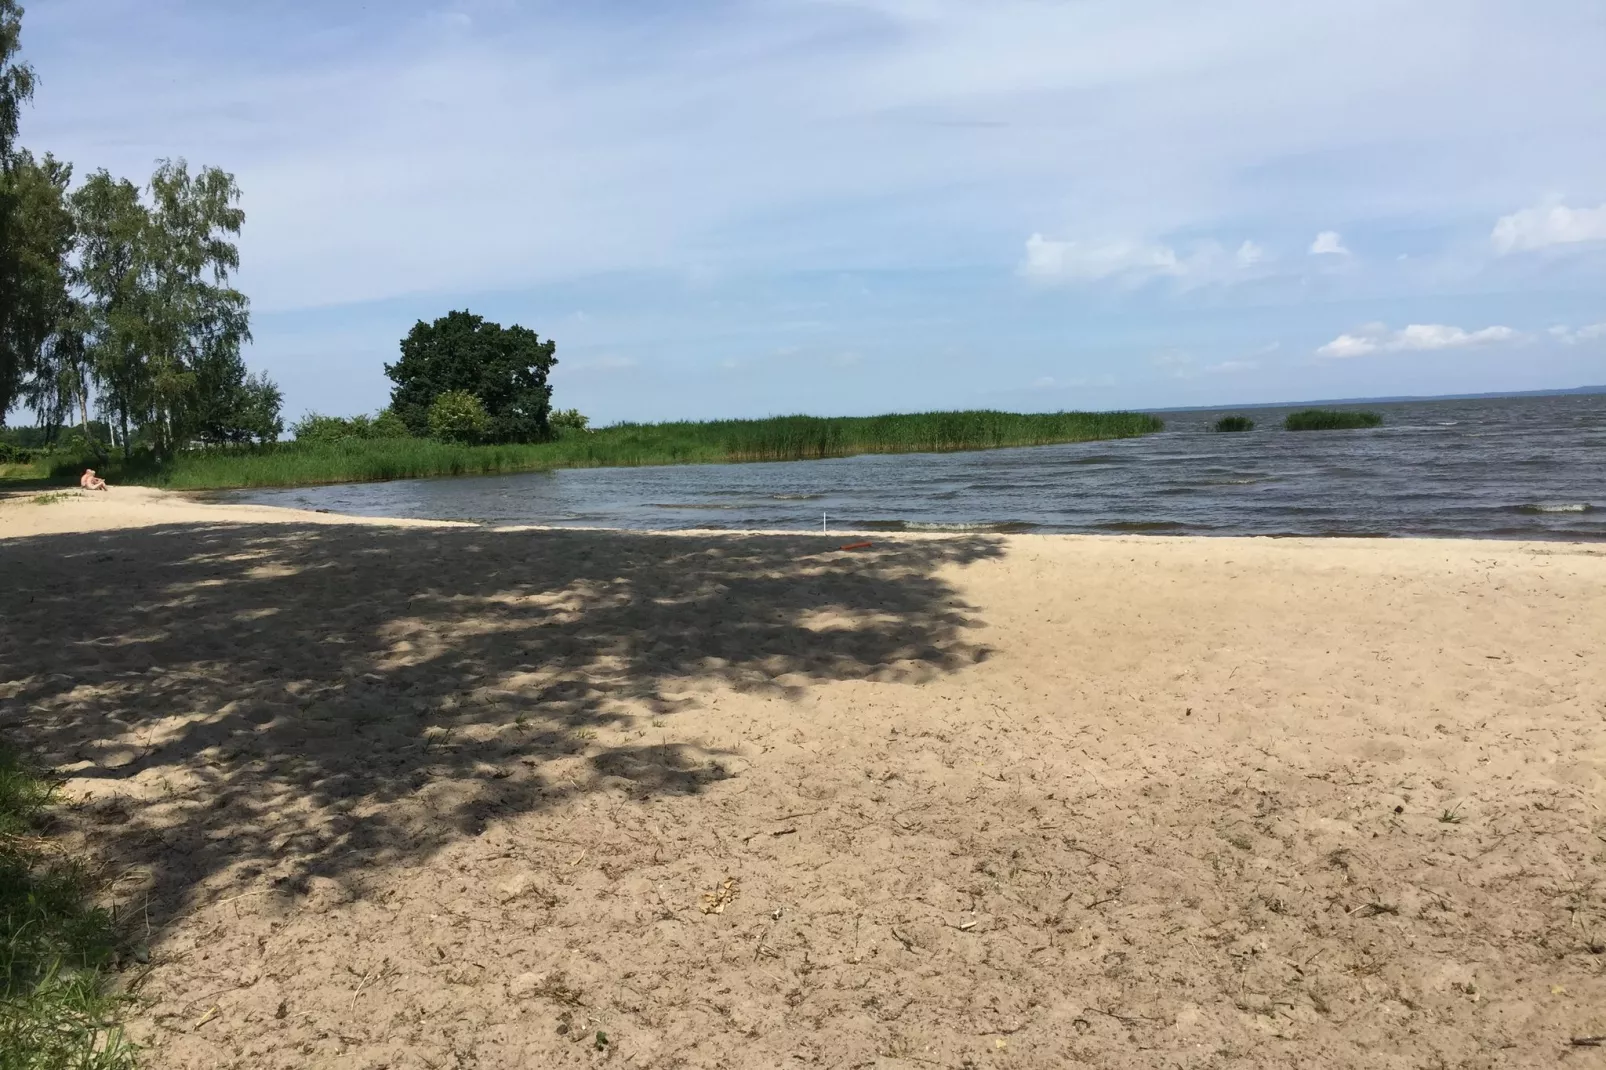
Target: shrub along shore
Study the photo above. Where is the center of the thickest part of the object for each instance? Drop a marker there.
(781, 438)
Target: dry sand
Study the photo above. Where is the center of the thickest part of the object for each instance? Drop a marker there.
(455, 797)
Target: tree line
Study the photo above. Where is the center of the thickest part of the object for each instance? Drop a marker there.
(117, 298)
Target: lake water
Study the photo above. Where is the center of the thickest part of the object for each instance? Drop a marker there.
(1532, 467)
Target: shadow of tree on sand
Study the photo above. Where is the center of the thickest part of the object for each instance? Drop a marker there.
(288, 702)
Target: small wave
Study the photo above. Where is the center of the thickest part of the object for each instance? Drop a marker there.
(1556, 507)
(1142, 526)
(796, 497)
(992, 527)
(1003, 527)
(694, 505)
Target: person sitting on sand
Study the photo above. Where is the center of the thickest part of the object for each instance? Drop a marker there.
(90, 481)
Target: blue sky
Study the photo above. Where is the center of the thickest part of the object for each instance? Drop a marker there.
(853, 206)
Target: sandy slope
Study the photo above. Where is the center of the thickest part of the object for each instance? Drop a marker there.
(450, 797)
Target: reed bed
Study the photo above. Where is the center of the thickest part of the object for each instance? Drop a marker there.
(781, 438)
(1330, 420)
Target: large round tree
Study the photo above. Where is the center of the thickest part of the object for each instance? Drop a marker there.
(505, 367)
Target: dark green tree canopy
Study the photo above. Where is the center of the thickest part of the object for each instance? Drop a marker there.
(34, 282)
(19, 307)
(16, 78)
(505, 367)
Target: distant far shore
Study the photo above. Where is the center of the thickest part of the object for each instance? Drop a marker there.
(1400, 399)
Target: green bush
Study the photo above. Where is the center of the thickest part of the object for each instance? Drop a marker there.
(458, 416)
(569, 420)
(1330, 420)
(314, 427)
(1235, 423)
(388, 425)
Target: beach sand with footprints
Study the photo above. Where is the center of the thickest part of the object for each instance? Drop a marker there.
(376, 794)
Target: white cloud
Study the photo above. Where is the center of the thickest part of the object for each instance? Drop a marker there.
(1070, 261)
(1572, 336)
(1348, 345)
(1414, 338)
(1250, 254)
(1135, 262)
(1537, 228)
(1428, 336)
(1227, 367)
(1328, 243)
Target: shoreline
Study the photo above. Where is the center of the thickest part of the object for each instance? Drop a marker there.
(130, 507)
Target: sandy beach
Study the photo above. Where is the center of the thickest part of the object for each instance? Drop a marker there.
(404, 795)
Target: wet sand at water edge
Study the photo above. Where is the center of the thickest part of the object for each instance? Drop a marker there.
(375, 794)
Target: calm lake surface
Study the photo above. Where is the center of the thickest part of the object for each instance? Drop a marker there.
(1531, 467)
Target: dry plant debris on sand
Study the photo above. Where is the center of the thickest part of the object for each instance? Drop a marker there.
(451, 797)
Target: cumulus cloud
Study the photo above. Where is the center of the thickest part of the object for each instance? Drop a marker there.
(1540, 227)
(1414, 338)
(1328, 243)
(1250, 254)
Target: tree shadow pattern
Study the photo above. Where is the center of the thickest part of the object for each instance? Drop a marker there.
(289, 701)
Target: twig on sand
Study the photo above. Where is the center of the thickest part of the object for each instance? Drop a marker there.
(1124, 1019)
(369, 976)
(1372, 910)
(749, 838)
(1589, 1042)
(1074, 846)
(242, 895)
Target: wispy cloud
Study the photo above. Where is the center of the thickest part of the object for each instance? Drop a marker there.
(1541, 227)
(1575, 335)
(1134, 263)
(1417, 337)
(1048, 260)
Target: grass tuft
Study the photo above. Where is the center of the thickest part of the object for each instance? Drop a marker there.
(1330, 420)
(55, 944)
(780, 438)
(1234, 423)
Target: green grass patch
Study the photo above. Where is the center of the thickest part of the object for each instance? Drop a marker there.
(33, 471)
(781, 438)
(1330, 420)
(56, 946)
(1234, 423)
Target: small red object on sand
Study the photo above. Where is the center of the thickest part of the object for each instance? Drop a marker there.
(857, 545)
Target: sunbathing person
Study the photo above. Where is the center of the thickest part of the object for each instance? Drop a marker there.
(90, 481)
